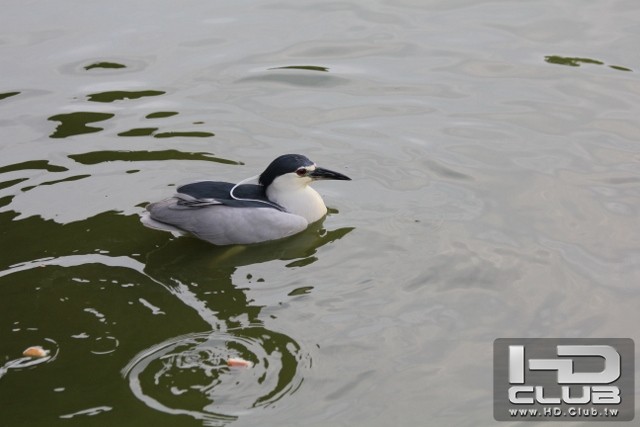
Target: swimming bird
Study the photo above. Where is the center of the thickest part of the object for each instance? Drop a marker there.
(279, 205)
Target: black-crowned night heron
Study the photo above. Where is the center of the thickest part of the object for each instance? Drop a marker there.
(281, 204)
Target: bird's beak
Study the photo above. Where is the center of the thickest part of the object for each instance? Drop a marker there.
(321, 173)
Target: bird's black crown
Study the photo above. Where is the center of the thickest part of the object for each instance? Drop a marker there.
(284, 164)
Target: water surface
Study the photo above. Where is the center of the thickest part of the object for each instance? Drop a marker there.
(494, 153)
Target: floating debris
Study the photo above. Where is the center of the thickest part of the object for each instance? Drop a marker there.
(36, 352)
(236, 362)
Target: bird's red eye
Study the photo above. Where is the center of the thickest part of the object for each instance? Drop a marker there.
(301, 171)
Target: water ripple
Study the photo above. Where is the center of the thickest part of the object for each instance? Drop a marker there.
(52, 348)
(190, 375)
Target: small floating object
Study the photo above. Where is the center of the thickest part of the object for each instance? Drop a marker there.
(35, 351)
(236, 362)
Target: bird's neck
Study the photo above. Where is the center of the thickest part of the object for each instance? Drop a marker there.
(303, 201)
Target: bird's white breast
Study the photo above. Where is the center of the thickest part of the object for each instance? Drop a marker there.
(303, 201)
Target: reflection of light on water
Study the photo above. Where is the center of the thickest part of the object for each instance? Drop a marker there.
(189, 374)
(88, 412)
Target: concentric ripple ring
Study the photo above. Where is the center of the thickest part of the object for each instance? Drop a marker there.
(189, 374)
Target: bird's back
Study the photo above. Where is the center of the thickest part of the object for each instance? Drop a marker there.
(218, 192)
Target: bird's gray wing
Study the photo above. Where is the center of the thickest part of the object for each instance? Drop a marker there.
(226, 225)
(186, 201)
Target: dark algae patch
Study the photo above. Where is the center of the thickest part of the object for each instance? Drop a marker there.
(33, 164)
(8, 95)
(572, 61)
(184, 135)
(138, 132)
(161, 114)
(302, 67)
(619, 68)
(96, 157)
(77, 123)
(112, 65)
(120, 95)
